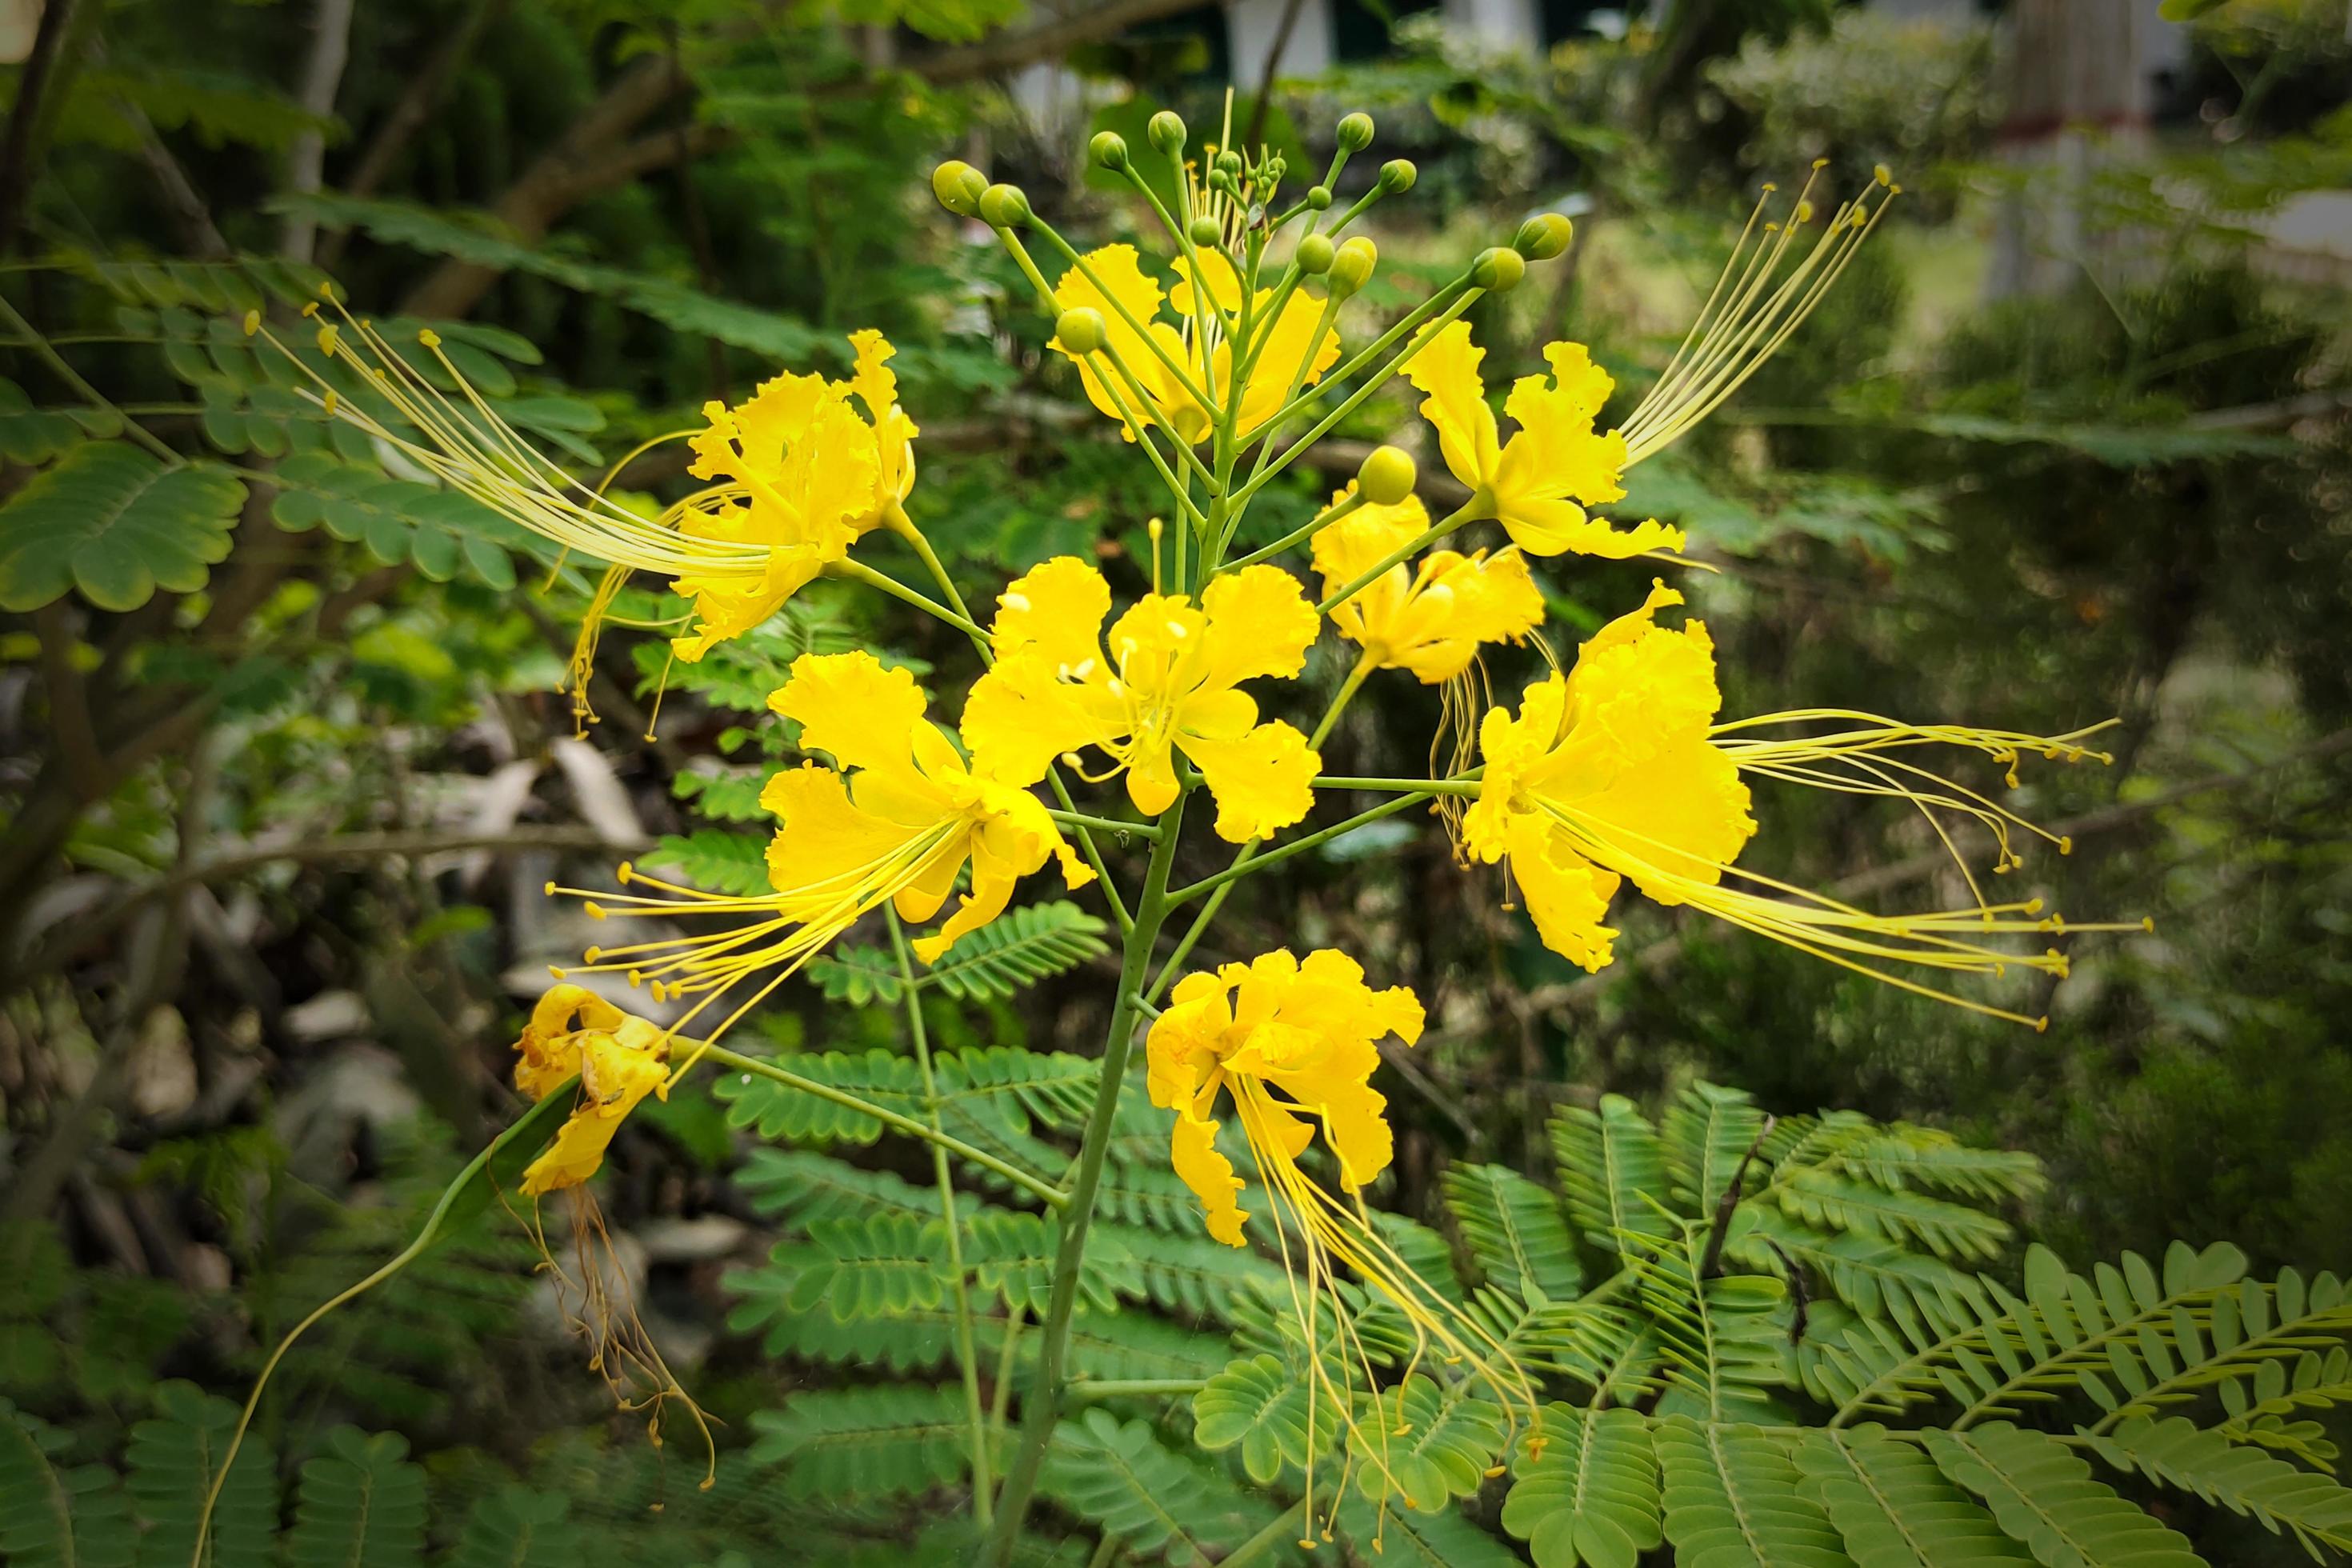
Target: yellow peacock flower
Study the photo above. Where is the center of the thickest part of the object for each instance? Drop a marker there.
(895, 821)
(1295, 1046)
(618, 1058)
(1619, 771)
(798, 474)
(1429, 618)
(1169, 683)
(1287, 347)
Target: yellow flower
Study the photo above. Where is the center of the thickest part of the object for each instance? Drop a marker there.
(1169, 683)
(895, 821)
(1428, 618)
(1294, 1045)
(1533, 483)
(1618, 771)
(1283, 345)
(618, 1058)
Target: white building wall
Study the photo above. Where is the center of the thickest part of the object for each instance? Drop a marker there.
(1252, 27)
(1499, 24)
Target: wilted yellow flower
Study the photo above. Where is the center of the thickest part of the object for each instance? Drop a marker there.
(1294, 1045)
(1618, 771)
(619, 1059)
(1169, 683)
(1431, 616)
(1284, 346)
(895, 821)
(1539, 483)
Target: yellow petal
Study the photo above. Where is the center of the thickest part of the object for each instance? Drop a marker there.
(1193, 1151)
(1292, 349)
(1555, 527)
(1020, 716)
(1682, 813)
(728, 606)
(1455, 403)
(828, 848)
(1260, 782)
(1259, 623)
(1123, 281)
(877, 387)
(1468, 600)
(1181, 1050)
(1224, 283)
(1055, 610)
(1555, 451)
(550, 1046)
(1352, 546)
(616, 1074)
(1566, 895)
(850, 705)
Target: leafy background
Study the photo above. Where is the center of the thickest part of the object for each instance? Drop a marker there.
(285, 772)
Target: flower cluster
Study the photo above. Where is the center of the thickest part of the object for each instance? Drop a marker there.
(1223, 371)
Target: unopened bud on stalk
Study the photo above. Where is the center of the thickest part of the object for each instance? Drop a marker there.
(1318, 197)
(957, 186)
(1004, 206)
(1351, 268)
(1398, 174)
(1108, 149)
(1229, 163)
(1315, 254)
(1167, 132)
(1498, 270)
(1387, 476)
(1079, 329)
(1355, 133)
(1205, 231)
(1544, 236)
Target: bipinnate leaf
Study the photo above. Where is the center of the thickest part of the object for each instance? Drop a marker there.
(116, 523)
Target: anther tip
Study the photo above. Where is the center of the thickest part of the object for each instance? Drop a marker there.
(592, 954)
(2147, 924)
(2041, 1024)
(309, 310)
(2066, 843)
(556, 970)
(595, 910)
(252, 322)
(548, 890)
(428, 338)
(622, 872)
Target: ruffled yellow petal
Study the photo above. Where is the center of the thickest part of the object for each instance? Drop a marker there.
(549, 1045)
(1055, 610)
(1259, 623)
(1567, 896)
(617, 1068)
(876, 386)
(1180, 1052)
(1455, 403)
(1563, 527)
(1123, 280)
(1193, 1151)
(827, 842)
(1261, 781)
(728, 606)
(1020, 716)
(1224, 283)
(851, 706)
(1292, 348)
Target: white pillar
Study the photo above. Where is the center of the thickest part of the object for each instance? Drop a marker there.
(1499, 24)
(1252, 27)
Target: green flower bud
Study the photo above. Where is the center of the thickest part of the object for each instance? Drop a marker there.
(1205, 231)
(1318, 197)
(1229, 163)
(1108, 149)
(1351, 268)
(1387, 476)
(1004, 206)
(957, 186)
(1544, 236)
(1498, 270)
(1355, 133)
(1398, 174)
(1315, 254)
(1167, 132)
(1079, 329)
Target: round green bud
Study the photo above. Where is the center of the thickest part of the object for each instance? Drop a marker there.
(1229, 162)
(1004, 206)
(1398, 174)
(1355, 132)
(1167, 132)
(1544, 236)
(1387, 476)
(1318, 197)
(1205, 231)
(1079, 329)
(1497, 270)
(1315, 254)
(1108, 149)
(1351, 268)
(957, 186)
(1275, 167)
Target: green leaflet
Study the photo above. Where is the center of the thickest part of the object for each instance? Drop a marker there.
(1516, 1231)
(1260, 1404)
(115, 523)
(2043, 1494)
(1591, 1494)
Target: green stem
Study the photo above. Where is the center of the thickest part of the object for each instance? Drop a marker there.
(1000, 1398)
(858, 571)
(1465, 783)
(1142, 329)
(1106, 1551)
(1241, 868)
(1052, 1196)
(1469, 512)
(1365, 663)
(73, 378)
(904, 528)
(1144, 830)
(1087, 845)
(983, 1488)
(1044, 1402)
(1279, 1533)
(1133, 1387)
(1299, 536)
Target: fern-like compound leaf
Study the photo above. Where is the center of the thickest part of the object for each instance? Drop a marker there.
(360, 1505)
(1160, 1503)
(112, 521)
(1707, 1133)
(517, 1527)
(2176, 1452)
(1589, 1494)
(1425, 1442)
(1259, 1403)
(170, 1466)
(2042, 1492)
(1516, 1231)
(1403, 1538)
(1893, 1507)
(54, 1515)
(1613, 1170)
(1733, 1499)
(878, 1441)
(1026, 945)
